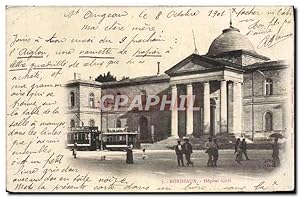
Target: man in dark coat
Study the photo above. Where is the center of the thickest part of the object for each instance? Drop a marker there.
(74, 150)
(244, 148)
(188, 150)
(215, 153)
(210, 145)
(179, 153)
(129, 155)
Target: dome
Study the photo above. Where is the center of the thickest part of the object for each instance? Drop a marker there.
(230, 40)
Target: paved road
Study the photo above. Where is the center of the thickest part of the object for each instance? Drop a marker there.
(164, 163)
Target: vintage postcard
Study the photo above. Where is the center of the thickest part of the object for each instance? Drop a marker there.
(150, 99)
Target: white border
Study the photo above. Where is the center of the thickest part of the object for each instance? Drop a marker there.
(3, 192)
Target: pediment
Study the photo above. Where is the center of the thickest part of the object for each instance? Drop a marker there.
(190, 66)
(194, 64)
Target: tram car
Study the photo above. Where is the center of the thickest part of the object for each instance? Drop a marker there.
(119, 139)
(90, 139)
(86, 138)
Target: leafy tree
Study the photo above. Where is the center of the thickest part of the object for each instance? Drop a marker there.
(106, 77)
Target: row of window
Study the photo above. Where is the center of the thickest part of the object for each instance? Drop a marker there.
(268, 92)
(268, 122)
(91, 99)
(78, 136)
(91, 123)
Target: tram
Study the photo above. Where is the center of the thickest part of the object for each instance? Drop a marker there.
(119, 138)
(86, 138)
(90, 138)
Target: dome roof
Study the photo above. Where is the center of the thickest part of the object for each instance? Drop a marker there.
(230, 40)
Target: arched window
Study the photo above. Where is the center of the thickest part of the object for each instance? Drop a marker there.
(119, 124)
(268, 87)
(72, 99)
(92, 100)
(144, 96)
(120, 99)
(268, 121)
(72, 123)
(92, 123)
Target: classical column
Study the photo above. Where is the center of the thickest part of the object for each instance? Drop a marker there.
(189, 110)
(206, 108)
(237, 108)
(223, 107)
(174, 114)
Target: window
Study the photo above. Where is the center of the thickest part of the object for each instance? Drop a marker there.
(72, 99)
(72, 123)
(92, 123)
(92, 100)
(144, 97)
(118, 97)
(268, 121)
(119, 124)
(268, 87)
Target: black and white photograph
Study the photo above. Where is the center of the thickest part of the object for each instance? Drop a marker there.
(150, 99)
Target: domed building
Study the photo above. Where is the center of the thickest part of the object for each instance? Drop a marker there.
(237, 93)
(234, 47)
(230, 40)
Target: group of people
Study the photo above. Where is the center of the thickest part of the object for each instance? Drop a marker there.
(212, 149)
(240, 149)
(185, 149)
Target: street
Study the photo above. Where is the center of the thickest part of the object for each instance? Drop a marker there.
(164, 163)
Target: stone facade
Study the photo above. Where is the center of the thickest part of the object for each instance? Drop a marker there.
(237, 92)
(86, 109)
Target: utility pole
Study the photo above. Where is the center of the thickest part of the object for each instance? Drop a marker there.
(253, 106)
(101, 129)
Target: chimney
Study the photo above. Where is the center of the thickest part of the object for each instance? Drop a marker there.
(76, 76)
(158, 68)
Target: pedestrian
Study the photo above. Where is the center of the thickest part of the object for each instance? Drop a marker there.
(144, 154)
(179, 153)
(74, 150)
(239, 157)
(215, 153)
(209, 145)
(188, 150)
(236, 146)
(275, 154)
(129, 155)
(244, 149)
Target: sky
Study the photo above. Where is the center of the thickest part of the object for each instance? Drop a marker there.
(173, 25)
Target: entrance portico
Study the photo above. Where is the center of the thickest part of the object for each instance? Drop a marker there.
(212, 91)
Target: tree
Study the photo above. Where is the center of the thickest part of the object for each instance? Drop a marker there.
(106, 77)
(125, 78)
